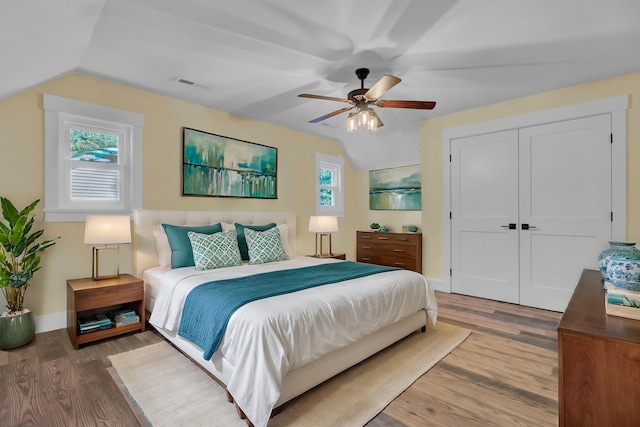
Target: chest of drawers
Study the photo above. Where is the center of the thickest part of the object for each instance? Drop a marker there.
(598, 361)
(403, 250)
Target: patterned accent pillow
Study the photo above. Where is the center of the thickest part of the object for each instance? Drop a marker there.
(242, 241)
(215, 250)
(264, 246)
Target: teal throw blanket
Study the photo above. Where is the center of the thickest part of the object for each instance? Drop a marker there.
(209, 306)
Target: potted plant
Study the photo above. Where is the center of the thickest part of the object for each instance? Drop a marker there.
(374, 226)
(19, 260)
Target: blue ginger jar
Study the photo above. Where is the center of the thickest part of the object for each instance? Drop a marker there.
(624, 272)
(616, 248)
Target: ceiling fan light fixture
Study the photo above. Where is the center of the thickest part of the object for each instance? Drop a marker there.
(372, 123)
(352, 124)
(363, 116)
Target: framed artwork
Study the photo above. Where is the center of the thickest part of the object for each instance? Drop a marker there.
(396, 189)
(219, 166)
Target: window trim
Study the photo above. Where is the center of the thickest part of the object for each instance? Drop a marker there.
(326, 161)
(57, 111)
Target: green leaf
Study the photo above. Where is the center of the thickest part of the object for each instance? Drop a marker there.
(4, 234)
(33, 237)
(28, 225)
(17, 231)
(20, 279)
(26, 211)
(9, 212)
(4, 277)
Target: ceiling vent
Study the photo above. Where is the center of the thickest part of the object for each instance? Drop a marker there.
(190, 82)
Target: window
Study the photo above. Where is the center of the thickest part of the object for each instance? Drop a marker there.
(329, 185)
(93, 159)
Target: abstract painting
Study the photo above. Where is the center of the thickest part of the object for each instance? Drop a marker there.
(396, 189)
(219, 166)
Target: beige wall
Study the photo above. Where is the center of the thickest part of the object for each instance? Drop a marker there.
(22, 172)
(432, 168)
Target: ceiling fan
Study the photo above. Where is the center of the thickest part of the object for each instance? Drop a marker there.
(363, 99)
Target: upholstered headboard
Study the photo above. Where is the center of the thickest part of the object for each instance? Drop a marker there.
(144, 244)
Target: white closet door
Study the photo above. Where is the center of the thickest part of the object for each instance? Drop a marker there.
(565, 193)
(484, 187)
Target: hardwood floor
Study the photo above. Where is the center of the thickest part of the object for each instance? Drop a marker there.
(504, 374)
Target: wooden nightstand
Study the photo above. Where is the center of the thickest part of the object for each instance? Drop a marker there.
(86, 297)
(334, 256)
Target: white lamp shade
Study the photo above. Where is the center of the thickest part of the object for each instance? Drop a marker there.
(323, 224)
(107, 229)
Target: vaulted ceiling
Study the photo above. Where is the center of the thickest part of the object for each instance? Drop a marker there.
(253, 57)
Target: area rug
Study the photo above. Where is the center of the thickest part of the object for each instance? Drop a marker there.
(169, 390)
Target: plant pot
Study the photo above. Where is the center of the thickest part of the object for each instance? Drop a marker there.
(16, 331)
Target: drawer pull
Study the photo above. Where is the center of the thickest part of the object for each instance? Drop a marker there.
(398, 250)
(402, 238)
(364, 236)
(383, 238)
(399, 263)
(366, 247)
(366, 259)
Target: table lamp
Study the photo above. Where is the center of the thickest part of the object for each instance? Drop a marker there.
(323, 226)
(106, 232)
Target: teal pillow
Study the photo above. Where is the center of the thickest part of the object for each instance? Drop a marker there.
(215, 250)
(181, 250)
(242, 240)
(265, 246)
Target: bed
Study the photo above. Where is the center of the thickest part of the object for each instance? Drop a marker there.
(264, 363)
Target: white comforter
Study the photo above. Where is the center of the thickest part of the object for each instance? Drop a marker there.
(267, 338)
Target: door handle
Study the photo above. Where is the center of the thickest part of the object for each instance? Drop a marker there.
(511, 226)
(528, 227)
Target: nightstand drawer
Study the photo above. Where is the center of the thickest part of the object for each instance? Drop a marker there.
(104, 297)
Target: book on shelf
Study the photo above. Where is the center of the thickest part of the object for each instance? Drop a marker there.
(621, 302)
(95, 329)
(121, 318)
(120, 313)
(90, 322)
(126, 322)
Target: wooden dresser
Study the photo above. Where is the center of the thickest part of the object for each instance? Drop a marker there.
(402, 250)
(598, 361)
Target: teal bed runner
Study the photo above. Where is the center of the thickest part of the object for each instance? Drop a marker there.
(209, 306)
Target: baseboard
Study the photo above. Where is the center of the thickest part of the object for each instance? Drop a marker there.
(51, 322)
(438, 285)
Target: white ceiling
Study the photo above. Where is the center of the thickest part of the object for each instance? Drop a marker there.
(258, 55)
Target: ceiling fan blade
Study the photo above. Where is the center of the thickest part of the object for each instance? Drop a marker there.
(385, 83)
(416, 105)
(334, 113)
(328, 98)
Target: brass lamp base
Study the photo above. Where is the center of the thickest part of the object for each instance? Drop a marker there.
(95, 264)
(321, 253)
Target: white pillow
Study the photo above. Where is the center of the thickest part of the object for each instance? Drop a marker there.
(227, 227)
(284, 239)
(162, 246)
